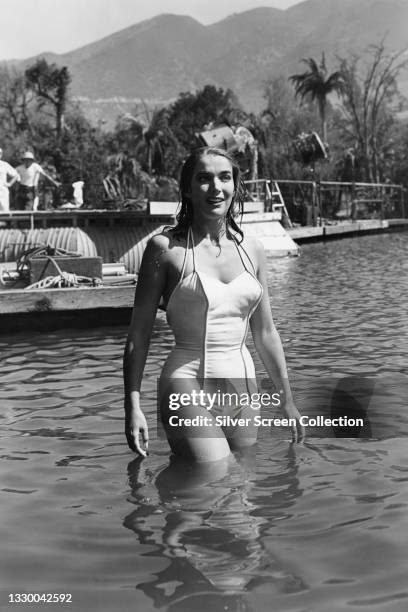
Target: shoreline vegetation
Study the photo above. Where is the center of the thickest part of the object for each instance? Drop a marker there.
(355, 106)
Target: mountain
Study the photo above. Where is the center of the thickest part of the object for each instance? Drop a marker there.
(158, 58)
(154, 59)
(348, 25)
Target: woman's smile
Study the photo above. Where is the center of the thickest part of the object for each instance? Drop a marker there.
(215, 201)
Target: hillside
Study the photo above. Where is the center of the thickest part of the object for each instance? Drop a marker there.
(160, 57)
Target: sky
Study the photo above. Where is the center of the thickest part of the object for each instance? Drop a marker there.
(29, 27)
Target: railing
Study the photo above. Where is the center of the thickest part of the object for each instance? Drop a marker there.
(51, 197)
(259, 189)
(311, 203)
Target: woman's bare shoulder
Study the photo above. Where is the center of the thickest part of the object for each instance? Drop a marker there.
(163, 244)
(159, 240)
(254, 248)
(252, 242)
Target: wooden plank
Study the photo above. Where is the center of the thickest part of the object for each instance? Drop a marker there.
(397, 222)
(50, 300)
(371, 224)
(274, 238)
(254, 207)
(342, 229)
(256, 217)
(349, 228)
(163, 208)
(305, 232)
(63, 319)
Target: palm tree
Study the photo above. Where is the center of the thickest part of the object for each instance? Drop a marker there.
(157, 137)
(315, 84)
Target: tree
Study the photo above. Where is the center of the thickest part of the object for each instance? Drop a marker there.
(15, 102)
(145, 135)
(369, 104)
(50, 83)
(277, 126)
(316, 85)
(82, 154)
(128, 132)
(157, 139)
(399, 169)
(191, 112)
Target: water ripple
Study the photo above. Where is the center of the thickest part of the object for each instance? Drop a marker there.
(318, 527)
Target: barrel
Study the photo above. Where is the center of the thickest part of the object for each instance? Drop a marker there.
(13, 242)
(123, 244)
(116, 244)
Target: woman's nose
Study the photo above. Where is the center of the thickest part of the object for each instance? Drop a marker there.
(216, 185)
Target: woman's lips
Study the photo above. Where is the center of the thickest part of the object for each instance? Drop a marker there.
(215, 200)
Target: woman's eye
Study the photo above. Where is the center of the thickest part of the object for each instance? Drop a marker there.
(205, 178)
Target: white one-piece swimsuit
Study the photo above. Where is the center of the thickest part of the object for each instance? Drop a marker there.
(210, 321)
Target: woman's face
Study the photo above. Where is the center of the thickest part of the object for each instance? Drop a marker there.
(212, 187)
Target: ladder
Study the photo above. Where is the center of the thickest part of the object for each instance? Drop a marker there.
(277, 201)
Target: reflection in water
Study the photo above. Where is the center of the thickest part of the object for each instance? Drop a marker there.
(351, 399)
(378, 401)
(205, 524)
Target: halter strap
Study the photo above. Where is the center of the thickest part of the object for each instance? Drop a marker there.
(191, 237)
(239, 247)
(185, 258)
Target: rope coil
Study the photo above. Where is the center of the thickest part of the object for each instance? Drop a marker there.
(59, 281)
(65, 280)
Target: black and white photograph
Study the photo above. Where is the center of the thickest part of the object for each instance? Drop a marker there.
(203, 305)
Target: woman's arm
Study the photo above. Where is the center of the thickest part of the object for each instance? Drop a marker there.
(150, 287)
(269, 347)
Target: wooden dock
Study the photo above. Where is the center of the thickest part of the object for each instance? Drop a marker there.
(48, 309)
(350, 228)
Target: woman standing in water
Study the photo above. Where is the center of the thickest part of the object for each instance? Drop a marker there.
(213, 281)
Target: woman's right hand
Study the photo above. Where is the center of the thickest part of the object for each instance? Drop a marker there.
(136, 430)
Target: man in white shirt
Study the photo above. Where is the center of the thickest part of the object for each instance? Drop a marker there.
(8, 176)
(30, 172)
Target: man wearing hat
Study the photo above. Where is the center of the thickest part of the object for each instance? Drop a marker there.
(30, 172)
(8, 176)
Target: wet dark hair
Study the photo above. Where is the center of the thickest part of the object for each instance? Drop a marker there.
(185, 215)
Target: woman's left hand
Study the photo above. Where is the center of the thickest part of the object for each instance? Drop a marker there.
(291, 412)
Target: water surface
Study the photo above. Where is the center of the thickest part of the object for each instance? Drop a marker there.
(314, 528)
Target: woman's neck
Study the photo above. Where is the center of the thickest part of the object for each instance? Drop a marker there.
(214, 231)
